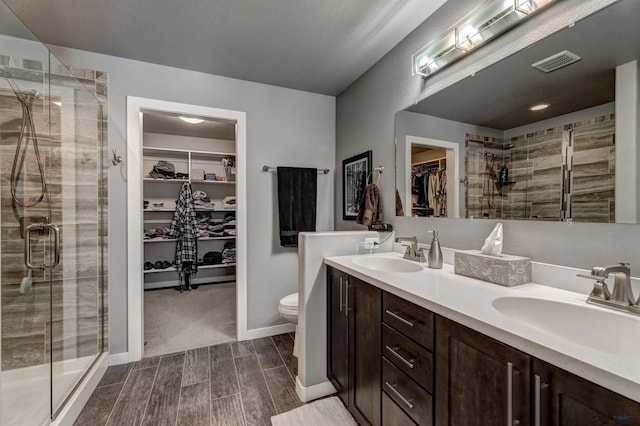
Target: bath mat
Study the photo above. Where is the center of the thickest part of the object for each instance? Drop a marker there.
(324, 412)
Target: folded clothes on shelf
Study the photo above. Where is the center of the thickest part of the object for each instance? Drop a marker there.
(202, 200)
(154, 233)
(229, 202)
(229, 252)
(163, 170)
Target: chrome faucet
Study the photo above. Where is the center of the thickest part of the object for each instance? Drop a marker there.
(412, 252)
(622, 295)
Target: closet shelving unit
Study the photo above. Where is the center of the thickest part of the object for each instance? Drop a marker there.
(166, 192)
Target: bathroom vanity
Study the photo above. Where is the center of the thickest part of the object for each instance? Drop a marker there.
(409, 345)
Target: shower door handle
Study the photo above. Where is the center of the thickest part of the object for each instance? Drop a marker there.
(41, 227)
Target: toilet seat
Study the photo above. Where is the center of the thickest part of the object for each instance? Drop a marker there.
(289, 305)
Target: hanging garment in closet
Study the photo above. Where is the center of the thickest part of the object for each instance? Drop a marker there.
(434, 186)
(442, 200)
(184, 228)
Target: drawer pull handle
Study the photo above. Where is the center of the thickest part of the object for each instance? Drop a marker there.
(341, 294)
(394, 351)
(399, 318)
(404, 400)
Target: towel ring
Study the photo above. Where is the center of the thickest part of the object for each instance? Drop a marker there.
(379, 170)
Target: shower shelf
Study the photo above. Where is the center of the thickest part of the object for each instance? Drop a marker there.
(172, 269)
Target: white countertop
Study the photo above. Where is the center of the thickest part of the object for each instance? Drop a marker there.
(469, 302)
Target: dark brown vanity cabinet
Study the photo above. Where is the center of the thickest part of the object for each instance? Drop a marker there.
(479, 381)
(395, 363)
(354, 340)
(407, 364)
(561, 398)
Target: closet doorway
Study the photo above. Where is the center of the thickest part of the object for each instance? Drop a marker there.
(426, 159)
(187, 157)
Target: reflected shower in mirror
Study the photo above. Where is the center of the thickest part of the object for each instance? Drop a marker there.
(549, 133)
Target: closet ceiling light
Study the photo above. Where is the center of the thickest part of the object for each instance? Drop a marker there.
(539, 107)
(489, 20)
(191, 120)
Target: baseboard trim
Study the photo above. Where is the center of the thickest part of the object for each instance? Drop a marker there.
(199, 281)
(256, 333)
(74, 406)
(309, 393)
(117, 359)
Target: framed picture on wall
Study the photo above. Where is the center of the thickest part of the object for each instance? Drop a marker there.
(355, 171)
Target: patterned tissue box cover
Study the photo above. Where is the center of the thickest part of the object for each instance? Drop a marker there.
(505, 270)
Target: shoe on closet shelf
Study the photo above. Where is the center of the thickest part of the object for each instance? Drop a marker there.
(148, 266)
(162, 264)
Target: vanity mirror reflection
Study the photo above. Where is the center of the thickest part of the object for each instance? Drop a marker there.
(480, 148)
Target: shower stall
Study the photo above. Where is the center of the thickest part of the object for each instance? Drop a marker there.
(52, 227)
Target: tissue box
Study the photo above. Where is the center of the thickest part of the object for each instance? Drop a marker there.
(505, 270)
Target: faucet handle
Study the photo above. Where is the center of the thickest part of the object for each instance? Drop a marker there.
(600, 289)
(625, 264)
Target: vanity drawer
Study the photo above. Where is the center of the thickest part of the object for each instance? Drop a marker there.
(413, 400)
(392, 415)
(413, 359)
(409, 319)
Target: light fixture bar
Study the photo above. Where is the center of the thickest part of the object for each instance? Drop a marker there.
(488, 21)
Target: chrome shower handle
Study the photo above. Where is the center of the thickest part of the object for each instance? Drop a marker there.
(41, 227)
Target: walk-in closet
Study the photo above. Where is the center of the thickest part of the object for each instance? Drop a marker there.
(189, 241)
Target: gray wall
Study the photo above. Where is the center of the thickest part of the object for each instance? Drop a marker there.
(365, 120)
(284, 127)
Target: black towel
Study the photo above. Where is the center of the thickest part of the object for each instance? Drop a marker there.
(297, 190)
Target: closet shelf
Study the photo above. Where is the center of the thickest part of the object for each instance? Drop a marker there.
(172, 269)
(197, 210)
(149, 150)
(168, 240)
(160, 180)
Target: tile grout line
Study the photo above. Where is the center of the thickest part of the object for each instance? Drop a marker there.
(244, 415)
(119, 395)
(184, 363)
(265, 382)
(146, 405)
(284, 362)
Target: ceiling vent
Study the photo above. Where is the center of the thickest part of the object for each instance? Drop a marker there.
(557, 61)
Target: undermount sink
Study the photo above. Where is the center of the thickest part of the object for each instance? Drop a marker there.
(387, 264)
(611, 332)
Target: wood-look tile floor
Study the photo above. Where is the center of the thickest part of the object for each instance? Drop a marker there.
(237, 383)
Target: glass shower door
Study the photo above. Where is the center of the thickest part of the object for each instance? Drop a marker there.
(76, 328)
(51, 227)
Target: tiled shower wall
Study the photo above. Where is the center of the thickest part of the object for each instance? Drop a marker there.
(75, 328)
(535, 166)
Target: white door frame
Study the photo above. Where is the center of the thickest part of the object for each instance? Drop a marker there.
(135, 278)
(453, 173)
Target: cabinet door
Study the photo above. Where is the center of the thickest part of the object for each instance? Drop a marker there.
(338, 332)
(479, 381)
(563, 399)
(365, 339)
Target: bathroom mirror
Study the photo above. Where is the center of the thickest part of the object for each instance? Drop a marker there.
(476, 149)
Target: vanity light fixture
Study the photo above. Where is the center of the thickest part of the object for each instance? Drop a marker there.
(191, 120)
(489, 20)
(539, 107)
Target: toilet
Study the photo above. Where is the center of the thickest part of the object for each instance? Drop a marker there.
(288, 309)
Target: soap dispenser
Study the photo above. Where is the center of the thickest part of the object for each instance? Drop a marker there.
(435, 253)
